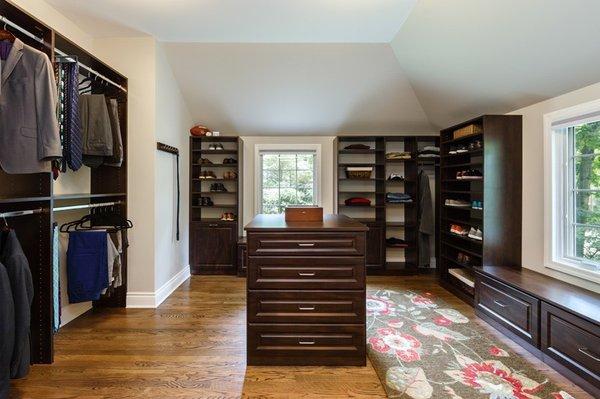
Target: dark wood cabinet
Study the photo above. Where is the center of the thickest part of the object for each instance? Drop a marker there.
(213, 248)
(214, 204)
(306, 290)
(242, 257)
(375, 244)
(557, 322)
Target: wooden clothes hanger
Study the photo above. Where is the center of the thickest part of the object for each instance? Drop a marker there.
(5, 35)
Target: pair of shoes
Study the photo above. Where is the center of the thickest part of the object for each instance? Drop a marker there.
(471, 174)
(205, 161)
(395, 177)
(458, 150)
(459, 230)
(457, 203)
(227, 161)
(229, 175)
(215, 147)
(205, 201)
(476, 234)
(478, 205)
(218, 187)
(228, 217)
(207, 174)
(476, 145)
(395, 242)
(463, 258)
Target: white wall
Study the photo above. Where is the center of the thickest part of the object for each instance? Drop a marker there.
(136, 59)
(533, 179)
(248, 185)
(173, 120)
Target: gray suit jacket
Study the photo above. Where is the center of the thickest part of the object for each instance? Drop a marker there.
(17, 268)
(29, 135)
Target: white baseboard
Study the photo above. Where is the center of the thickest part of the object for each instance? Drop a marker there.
(153, 300)
(72, 311)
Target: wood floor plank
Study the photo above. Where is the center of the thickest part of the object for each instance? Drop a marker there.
(194, 346)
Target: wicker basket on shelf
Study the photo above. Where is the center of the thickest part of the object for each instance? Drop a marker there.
(467, 131)
(358, 172)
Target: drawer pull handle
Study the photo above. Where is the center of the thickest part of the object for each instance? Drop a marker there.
(586, 352)
(500, 304)
(306, 342)
(213, 225)
(307, 274)
(308, 308)
(306, 244)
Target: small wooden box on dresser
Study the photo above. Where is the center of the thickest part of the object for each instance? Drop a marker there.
(306, 292)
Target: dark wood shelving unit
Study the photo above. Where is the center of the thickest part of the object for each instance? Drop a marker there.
(22, 192)
(499, 160)
(386, 219)
(213, 242)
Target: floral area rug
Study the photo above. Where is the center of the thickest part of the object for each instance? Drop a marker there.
(421, 348)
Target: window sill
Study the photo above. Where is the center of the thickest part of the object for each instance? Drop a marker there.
(572, 269)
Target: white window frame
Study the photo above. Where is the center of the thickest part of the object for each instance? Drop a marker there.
(259, 148)
(557, 177)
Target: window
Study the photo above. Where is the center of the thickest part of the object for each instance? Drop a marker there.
(576, 195)
(287, 178)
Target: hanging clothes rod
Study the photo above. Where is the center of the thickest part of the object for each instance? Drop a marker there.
(90, 70)
(7, 21)
(85, 206)
(21, 213)
(22, 30)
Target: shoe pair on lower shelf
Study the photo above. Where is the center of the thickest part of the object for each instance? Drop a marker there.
(459, 230)
(471, 174)
(218, 187)
(216, 147)
(205, 201)
(228, 217)
(475, 234)
(396, 242)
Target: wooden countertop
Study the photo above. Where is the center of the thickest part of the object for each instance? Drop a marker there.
(566, 296)
(329, 223)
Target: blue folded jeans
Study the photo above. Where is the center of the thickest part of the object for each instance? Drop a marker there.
(87, 265)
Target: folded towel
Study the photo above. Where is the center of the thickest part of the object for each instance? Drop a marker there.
(357, 201)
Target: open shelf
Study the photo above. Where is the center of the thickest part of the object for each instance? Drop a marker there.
(86, 196)
(464, 275)
(23, 199)
(216, 165)
(215, 152)
(465, 238)
(382, 260)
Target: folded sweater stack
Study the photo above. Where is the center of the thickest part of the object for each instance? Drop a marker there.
(397, 198)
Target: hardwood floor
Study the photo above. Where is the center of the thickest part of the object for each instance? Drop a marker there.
(193, 346)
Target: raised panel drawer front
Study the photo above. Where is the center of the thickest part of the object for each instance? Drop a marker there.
(572, 341)
(306, 307)
(281, 273)
(306, 244)
(514, 309)
(306, 344)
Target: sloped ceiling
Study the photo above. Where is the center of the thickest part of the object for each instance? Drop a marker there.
(470, 57)
(316, 89)
(243, 21)
(268, 66)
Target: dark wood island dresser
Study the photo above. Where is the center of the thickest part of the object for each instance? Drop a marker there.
(306, 291)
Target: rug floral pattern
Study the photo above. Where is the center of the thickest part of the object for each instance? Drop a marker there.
(421, 348)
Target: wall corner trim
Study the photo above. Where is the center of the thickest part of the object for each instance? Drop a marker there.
(152, 300)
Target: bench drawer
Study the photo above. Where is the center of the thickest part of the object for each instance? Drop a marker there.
(307, 244)
(306, 307)
(282, 273)
(306, 344)
(572, 341)
(512, 308)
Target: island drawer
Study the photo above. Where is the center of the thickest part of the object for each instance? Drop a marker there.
(306, 307)
(281, 273)
(306, 244)
(306, 344)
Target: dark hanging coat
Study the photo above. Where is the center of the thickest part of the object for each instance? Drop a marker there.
(17, 267)
(426, 220)
(7, 331)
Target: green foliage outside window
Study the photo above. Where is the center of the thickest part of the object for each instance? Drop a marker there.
(287, 179)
